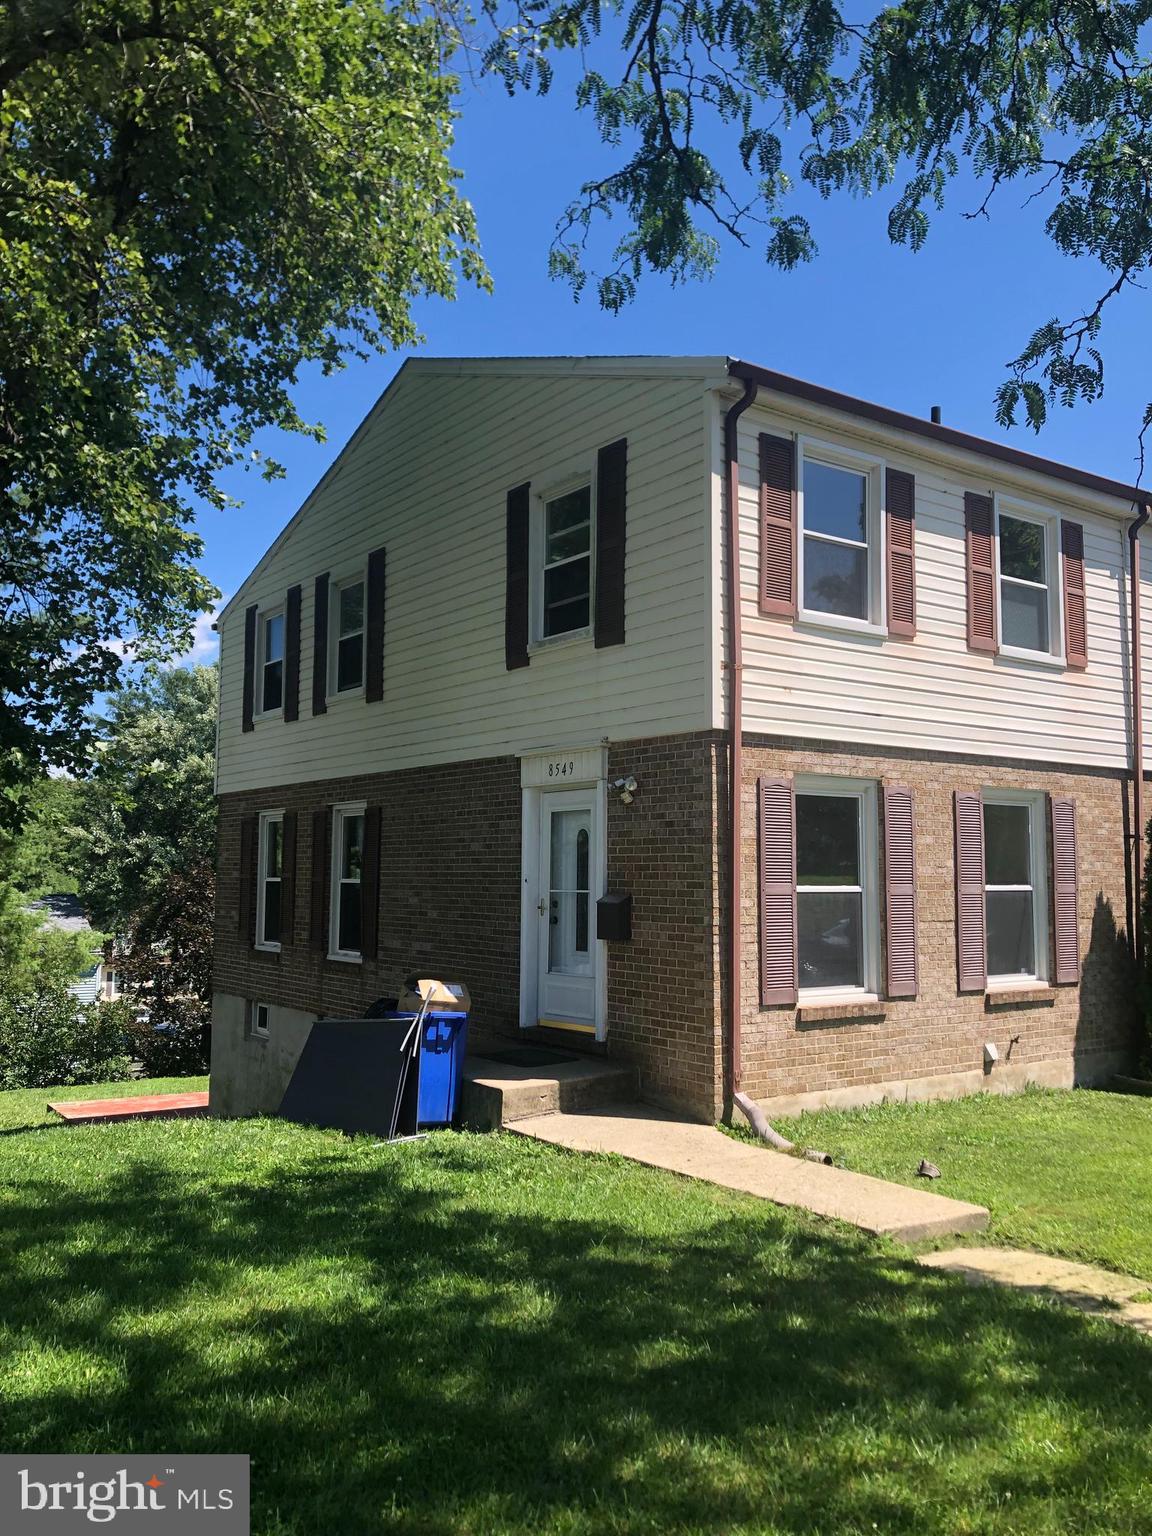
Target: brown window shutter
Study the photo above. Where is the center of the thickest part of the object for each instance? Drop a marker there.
(1075, 595)
(971, 938)
(320, 646)
(900, 890)
(288, 880)
(292, 654)
(246, 899)
(374, 627)
(516, 588)
(900, 516)
(249, 667)
(980, 552)
(370, 885)
(611, 507)
(777, 525)
(319, 919)
(777, 807)
(1065, 890)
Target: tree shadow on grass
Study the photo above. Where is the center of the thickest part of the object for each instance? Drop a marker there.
(401, 1345)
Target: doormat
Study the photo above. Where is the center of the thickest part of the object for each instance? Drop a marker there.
(529, 1056)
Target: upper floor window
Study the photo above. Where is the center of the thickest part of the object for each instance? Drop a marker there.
(271, 661)
(269, 880)
(840, 538)
(566, 596)
(1015, 904)
(348, 638)
(1028, 582)
(345, 937)
(836, 886)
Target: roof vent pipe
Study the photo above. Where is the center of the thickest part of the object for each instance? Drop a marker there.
(935, 413)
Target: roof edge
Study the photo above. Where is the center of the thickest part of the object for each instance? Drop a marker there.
(949, 437)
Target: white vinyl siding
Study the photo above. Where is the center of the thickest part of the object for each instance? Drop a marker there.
(931, 693)
(427, 478)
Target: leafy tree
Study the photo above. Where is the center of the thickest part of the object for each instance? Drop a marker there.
(49, 1039)
(148, 808)
(717, 109)
(145, 850)
(36, 859)
(197, 198)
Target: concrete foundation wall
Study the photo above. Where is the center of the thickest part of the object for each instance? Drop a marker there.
(250, 1072)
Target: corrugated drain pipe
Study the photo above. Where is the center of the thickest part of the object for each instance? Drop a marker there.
(748, 1107)
(1137, 741)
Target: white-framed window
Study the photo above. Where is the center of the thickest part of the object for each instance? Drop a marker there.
(1015, 886)
(269, 879)
(258, 1018)
(1028, 580)
(346, 647)
(564, 591)
(840, 553)
(346, 914)
(270, 668)
(837, 879)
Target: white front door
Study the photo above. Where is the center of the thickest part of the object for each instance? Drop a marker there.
(567, 949)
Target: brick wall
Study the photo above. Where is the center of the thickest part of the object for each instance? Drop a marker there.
(450, 904)
(941, 1032)
(449, 893)
(664, 985)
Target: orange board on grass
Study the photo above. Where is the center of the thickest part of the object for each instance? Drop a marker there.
(149, 1106)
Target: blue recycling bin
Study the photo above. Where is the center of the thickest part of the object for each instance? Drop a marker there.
(442, 1047)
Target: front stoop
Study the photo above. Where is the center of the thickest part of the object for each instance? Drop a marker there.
(495, 1094)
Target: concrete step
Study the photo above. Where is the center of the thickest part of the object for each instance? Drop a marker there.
(495, 1094)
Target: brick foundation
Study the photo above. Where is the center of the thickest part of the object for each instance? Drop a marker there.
(1055, 1033)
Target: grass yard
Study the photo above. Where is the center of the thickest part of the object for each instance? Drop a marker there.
(487, 1335)
(1068, 1173)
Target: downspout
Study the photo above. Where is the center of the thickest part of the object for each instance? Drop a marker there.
(735, 731)
(1137, 739)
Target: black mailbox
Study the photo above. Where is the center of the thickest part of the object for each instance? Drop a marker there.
(614, 916)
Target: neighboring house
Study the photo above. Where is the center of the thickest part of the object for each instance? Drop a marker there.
(484, 678)
(66, 914)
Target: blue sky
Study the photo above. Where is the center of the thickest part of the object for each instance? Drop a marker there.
(911, 331)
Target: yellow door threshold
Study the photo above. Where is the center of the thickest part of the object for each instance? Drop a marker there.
(576, 1029)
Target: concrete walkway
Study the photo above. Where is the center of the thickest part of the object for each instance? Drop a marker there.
(702, 1152)
(1078, 1285)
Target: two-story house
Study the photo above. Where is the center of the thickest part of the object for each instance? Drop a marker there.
(490, 673)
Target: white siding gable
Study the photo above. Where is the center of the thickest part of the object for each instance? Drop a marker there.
(426, 477)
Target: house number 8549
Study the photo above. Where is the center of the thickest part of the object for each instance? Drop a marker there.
(562, 770)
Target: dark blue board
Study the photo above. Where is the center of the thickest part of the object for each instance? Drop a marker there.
(357, 1075)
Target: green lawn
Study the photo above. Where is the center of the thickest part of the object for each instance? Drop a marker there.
(486, 1335)
(1063, 1172)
